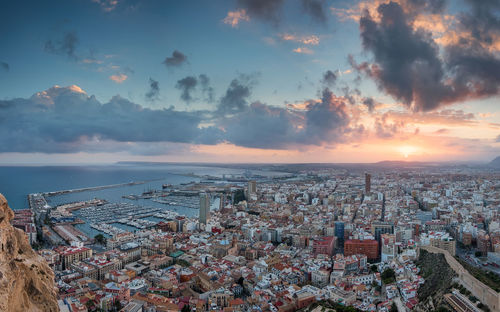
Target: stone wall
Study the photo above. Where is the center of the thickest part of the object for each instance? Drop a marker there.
(484, 293)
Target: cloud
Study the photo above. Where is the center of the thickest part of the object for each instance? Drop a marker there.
(483, 22)
(408, 64)
(118, 78)
(385, 129)
(5, 66)
(497, 139)
(441, 131)
(266, 10)
(234, 18)
(303, 50)
(207, 90)
(176, 60)
(369, 103)
(67, 120)
(107, 5)
(259, 125)
(65, 46)
(316, 9)
(187, 86)
(154, 90)
(309, 40)
(329, 78)
(235, 99)
(443, 117)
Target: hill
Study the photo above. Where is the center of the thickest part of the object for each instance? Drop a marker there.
(495, 162)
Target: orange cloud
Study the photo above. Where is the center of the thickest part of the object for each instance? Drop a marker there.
(303, 50)
(308, 40)
(233, 18)
(118, 78)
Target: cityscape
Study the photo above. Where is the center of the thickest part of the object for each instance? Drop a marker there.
(404, 236)
(250, 156)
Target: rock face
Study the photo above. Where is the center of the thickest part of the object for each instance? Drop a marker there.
(26, 281)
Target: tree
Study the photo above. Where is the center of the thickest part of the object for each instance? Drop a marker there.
(477, 254)
(117, 304)
(239, 196)
(186, 308)
(394, 308)
(374, 268)
(241, 280)
(388, 276)
(99, 238)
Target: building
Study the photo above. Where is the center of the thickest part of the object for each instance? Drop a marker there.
(252, 187)
(324, 245)
(441, 240)
(339, 232)
(367, 247)
(320, 278)
(204, 208)
(379, 228)
(368, 181)
(72, 254)
(388, 243)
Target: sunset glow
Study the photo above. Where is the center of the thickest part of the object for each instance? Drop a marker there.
(251, 81)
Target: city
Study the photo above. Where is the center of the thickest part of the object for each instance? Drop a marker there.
(331, 236)
(250, 156)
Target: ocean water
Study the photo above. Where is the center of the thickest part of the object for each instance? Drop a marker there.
(17, 182)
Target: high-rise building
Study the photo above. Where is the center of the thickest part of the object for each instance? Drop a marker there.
(368, 181)
(204, 208)
(388, 242)
(367, 247)
(379, 228)
(222, 201)
(252, 187)
(339, 233)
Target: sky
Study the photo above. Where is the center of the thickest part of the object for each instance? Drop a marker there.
(271, 81)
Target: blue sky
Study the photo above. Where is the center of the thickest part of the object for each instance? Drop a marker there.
(403, 88)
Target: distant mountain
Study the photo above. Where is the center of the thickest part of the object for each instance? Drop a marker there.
(495, 162)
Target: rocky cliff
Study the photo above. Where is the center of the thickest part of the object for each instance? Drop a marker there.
(26, 281)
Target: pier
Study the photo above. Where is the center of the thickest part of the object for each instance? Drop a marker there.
(96, 188)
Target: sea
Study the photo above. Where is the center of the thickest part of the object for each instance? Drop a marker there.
(16, 182)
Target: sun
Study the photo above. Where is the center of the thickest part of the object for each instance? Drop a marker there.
(407, 150)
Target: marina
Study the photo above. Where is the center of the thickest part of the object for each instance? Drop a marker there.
(111, 212)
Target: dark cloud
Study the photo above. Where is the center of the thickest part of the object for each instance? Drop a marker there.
(329, 78)
(61, 120)
(187, 86)
(483, 21)
(5, 66)
(154, 90)
(259, 125)
(236, 98)
(207, 90)
(65, 46)
(328, 119)
(316, 9)
(267, 10)
(176, 60)
(408, 65)
(350, 94)
(67, 120)
(369, 103)
(428, 6)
